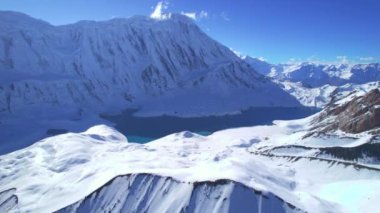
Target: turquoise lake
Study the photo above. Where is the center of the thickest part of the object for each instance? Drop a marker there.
(145, 129)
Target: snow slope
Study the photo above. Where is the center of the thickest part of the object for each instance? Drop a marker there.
(62, 170)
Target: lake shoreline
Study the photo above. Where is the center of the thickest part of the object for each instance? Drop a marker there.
(154, 127)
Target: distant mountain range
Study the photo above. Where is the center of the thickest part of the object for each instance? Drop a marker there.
(317, 75)
(313, 84)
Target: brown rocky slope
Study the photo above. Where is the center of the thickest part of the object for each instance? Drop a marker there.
(360, 114)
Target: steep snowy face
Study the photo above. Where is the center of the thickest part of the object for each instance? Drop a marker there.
(151, 193)
(115, 63)
(260, 66)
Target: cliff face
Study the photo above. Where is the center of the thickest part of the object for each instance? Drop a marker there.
(361, 114)
(151, 193)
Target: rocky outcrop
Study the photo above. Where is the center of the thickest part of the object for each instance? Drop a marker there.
(8, 200)
(360, 114)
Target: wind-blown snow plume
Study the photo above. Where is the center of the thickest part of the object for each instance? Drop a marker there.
(192, 15)
(159, 11)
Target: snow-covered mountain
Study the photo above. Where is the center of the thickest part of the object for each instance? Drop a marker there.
(317, 74)
(287, 166)
(125, 62)
(260, 65)
(314, 84)
(322, 96)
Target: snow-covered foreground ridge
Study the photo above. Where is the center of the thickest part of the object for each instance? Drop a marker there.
(164, 194)
(287, 171)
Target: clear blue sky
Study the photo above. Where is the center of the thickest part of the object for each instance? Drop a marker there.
(277, 30)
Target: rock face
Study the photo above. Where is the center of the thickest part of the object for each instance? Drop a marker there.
(360, 114)
(150, 193)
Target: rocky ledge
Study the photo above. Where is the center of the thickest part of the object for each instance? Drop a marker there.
(360, 114)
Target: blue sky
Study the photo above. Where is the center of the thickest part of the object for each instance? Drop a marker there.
(277, 30)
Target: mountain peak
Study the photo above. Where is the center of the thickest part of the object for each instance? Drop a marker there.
(17, 19)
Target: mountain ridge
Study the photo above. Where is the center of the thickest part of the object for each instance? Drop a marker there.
(126, 59)
(313, 84)
(312, 74)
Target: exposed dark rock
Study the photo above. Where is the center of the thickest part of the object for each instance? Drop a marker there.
(364, 153)
(367, 152)
(8, 200)
(358, 115)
